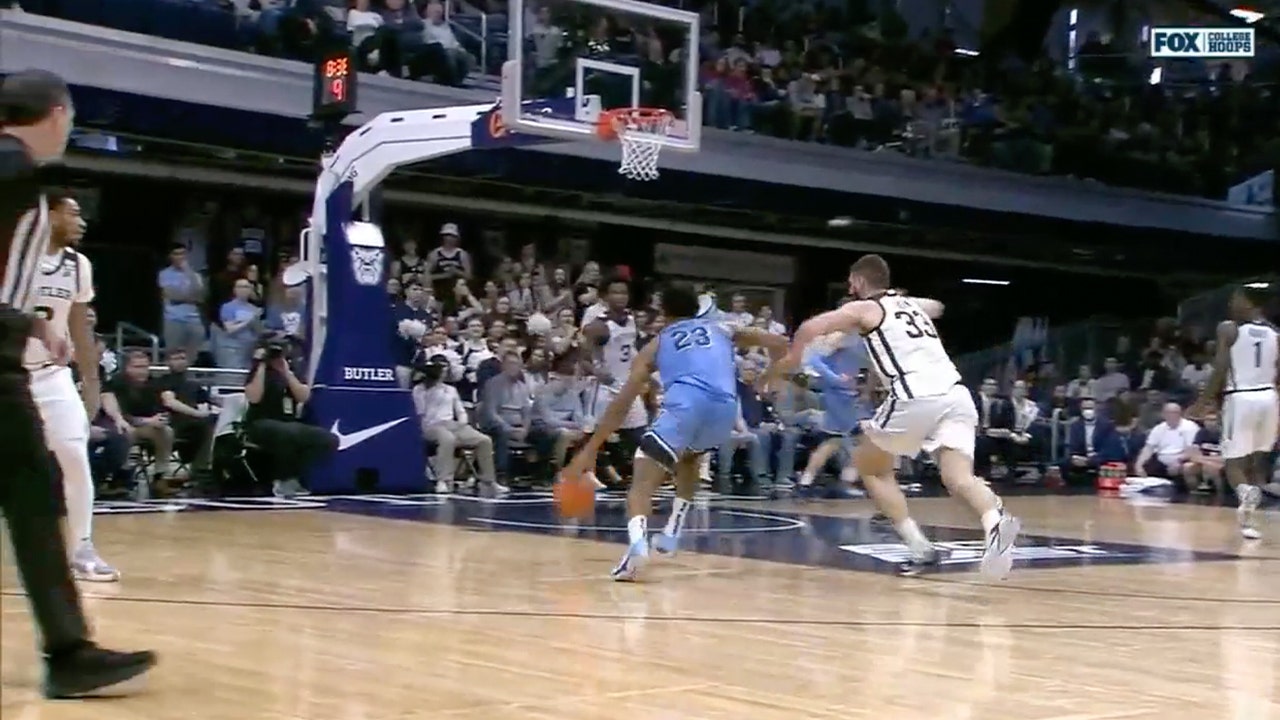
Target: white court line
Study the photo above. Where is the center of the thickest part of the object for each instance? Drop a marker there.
(788, 524)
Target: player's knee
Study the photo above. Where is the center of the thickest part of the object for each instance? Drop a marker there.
(653, 448)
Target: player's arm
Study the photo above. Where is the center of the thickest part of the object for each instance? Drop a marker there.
(1227, 334)
(932, 308)
(597, 330)
(613, 416)
(775, 345)
(1277, 362)
(85, 349)
(749, 337)
(83, 344)
(857, 316)
(597, 333)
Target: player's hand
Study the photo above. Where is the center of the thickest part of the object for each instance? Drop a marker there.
(280, 365)
(259, 353)
(123, 426)
(59, 348)
(581, 464)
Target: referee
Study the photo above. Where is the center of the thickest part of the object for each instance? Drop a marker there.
(35, 121)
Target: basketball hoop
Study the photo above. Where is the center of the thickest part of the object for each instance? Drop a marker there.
(641, 132)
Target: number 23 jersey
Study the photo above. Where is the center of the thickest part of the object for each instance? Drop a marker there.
(64, 278)
(907, 352)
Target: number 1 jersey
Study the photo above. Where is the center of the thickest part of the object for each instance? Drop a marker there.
(1253, 358)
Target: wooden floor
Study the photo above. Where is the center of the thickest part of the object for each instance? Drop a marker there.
(335, 616)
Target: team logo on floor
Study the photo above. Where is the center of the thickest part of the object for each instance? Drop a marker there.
(967, 554)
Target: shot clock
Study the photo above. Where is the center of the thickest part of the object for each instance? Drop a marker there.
(335, 86)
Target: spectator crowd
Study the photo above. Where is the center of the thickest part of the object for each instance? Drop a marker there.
(501, 358)
(1128, 413)
(808, 71)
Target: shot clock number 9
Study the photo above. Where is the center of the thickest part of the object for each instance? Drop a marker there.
(335, 86)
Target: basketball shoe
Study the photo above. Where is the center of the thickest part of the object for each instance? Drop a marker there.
(919, 564)
(87, 565)
(997, 558)
(665, 544)
(635, 558)
(1250, 497)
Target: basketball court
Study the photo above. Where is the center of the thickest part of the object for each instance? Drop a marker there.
(420, 607)
(395, 607)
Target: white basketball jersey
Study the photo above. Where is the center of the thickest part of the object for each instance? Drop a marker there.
(65, 278)
(618, 352)
(907, 354)
(1253, 358)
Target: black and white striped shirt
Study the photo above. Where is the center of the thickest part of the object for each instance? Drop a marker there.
(24, 222)
(24, 239)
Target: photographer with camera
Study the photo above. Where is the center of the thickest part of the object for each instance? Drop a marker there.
(444, 424)
(274, 393)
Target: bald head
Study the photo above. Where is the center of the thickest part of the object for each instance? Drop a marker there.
(1172, 414)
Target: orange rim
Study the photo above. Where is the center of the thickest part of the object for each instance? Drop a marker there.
(612, 120)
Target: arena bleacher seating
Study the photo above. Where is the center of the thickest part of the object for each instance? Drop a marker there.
(865, 81)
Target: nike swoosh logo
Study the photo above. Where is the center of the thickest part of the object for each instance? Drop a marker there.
(355, 438)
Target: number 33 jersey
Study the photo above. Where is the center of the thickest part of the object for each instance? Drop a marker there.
(65, 278)
(907, 352)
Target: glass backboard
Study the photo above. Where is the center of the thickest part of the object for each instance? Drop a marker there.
(606, 55)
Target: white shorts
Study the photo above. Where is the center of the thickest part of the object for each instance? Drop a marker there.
(601, 395)
(61, 409)
(1250, 422)
(905, 426)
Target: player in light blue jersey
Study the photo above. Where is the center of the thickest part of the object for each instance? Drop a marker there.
(694, 358)
(837, 362)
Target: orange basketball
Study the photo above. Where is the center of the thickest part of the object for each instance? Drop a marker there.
(575, 496)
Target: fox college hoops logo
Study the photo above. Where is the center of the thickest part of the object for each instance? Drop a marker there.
(366, 265)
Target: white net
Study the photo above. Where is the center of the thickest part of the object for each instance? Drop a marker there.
(642, 136)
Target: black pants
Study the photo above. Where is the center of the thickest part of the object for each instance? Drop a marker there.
(31, 506)
(292, 446)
